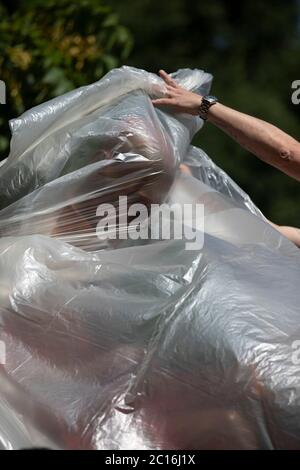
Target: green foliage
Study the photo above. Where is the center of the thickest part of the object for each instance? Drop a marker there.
(49, 48)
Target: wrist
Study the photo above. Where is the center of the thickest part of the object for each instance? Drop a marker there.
(213, 112)
(196, 104)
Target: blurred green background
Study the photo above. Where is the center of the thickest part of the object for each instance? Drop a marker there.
(252, 48)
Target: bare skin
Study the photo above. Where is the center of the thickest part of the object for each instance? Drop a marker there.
(264, 140)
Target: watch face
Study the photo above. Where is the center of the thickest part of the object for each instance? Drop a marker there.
(211, 99)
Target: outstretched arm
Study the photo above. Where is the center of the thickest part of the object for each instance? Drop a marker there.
(261, 138)
(264, 140)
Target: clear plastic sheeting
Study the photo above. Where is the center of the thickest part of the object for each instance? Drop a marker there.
(138, 344)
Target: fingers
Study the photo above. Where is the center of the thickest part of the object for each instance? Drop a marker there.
(172, 91)
(164, 101)
(169, 80)
(170, 97)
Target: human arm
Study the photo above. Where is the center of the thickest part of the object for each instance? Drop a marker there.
(264, 140)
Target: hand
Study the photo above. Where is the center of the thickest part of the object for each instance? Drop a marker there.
(181, 100)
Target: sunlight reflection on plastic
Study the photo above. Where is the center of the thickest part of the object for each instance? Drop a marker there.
(2, 353)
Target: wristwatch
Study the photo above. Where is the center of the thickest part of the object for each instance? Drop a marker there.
(206, 103)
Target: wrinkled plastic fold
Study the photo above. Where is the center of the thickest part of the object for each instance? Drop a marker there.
(119, 343)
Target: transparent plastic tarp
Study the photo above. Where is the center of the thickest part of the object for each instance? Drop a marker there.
(115, 343)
